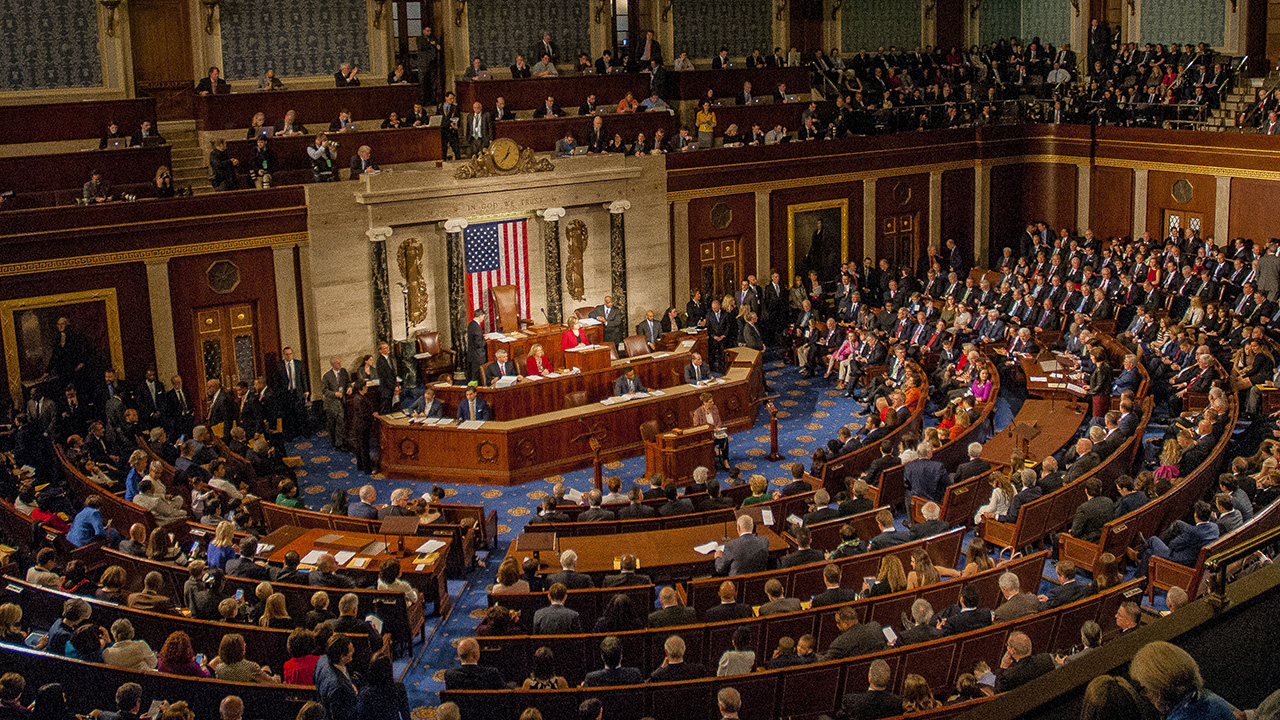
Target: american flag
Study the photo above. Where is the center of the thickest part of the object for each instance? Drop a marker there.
(497, 253)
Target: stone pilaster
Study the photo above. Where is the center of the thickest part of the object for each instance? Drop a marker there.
(162, 320)
(551, 251)
(1084, 195)
(868, 219)
(680, 251)
(1139, 202)
(981, 216)
(379, 286)
(935, 209)
(287, 298)
(618, 256)
(457, 288)
(1221, 211)
(763, 229)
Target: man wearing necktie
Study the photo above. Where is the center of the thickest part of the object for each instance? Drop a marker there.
(650, 329)
(449, 126)
(696, 371)
(479, 129)
(650, 49)
(474, 407)
(179, 416)
(717, 330)
(294, 390)
(628, 384)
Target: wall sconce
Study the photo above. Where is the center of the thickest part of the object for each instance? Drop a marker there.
(209, 7)
(973, 9)
(110, 6)
(666, 9)
(782, 10)
(459, 12)
(599, 15)
(377, 14)
(1075, 4)
(1133, 8)
(835, 9)
(929, 8)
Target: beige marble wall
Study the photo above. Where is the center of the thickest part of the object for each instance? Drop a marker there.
(415, 202)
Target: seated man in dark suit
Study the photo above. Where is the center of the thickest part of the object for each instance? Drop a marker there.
(932, 525)
(674, 667)
(1094, 513)
(714, 500)
(637, 509)
(568, 575)
(798, 484)
(470, 674)
(855, 638)
(326, 574)
(820, 509)
(550, 514)
(595, 512)
(346, 76)
(628, 384)
(364, 509)
(696, 371)
(1182, 542)
(888, 458)
(729, 607)
(474, 407)
(803, 554)
(778, 602)
(924, 630)
(675, 504)
(889, 534)
(1068, 590)
(627, 575)
(613, 673)
(245, 566)
(924, 476)
(672, 613)
(744, 554)
(501, 367)
(968, 617)
(1019, 666)
(974, 467)
(1130, 498)
(834, 594)
(556, 619)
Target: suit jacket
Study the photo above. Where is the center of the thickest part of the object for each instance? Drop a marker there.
(1023, 497)
(1018, 606)
(889, 539)
(693, 374)
(359, 165)
(727, 611)
(972, 468)
(781, 605)
(556, 620)
(872, 474)
(1185, 548)
(571, 579)
(672, 616)
(495, 370)
(679, 506)
(486, 128)
(651, 334)
(802, 557)
(595, 515)
(483, 412)
(470, 677)
(861, 639)
(964, 621)
(626, 580)
(477, 348)
(870, 705)
(744, 554)
(1090, 517)
(1128, 503)
(614, 323)
(1082, 465)
(1024, 671)
(929, 528)
(242, 568)
(623, 385)
(362, 509)
(1064, 594)
(221, 410)
(751, 337)
(833, 596)
(926, 478)
(613, 676)
(635, 512)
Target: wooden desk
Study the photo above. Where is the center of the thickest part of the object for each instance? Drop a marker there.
(570, 91)
(664, 555)
(549, 336)
(428, 577)
(314, 107)
(514, 452)
(693, 84)
(766, 115)
(1057, 421)
(541, 134)
(1069, 372)
(389, 147)
(59, 178)
(72, 120)
(529, 398)
(589, 357)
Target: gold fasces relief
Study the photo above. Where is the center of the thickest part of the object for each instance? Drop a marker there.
(409, 259)
(577, 232)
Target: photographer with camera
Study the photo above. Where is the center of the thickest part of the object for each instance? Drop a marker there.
(264, 165)
(322, 155)
(222, 167)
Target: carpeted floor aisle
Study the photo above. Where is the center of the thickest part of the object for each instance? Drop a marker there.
(811, 411)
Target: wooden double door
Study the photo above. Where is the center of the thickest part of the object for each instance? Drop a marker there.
(719, 266)
(227, 347)
(1175, 221)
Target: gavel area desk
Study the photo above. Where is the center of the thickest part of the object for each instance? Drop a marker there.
(517, 448)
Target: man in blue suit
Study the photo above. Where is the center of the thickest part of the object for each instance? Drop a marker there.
(746, 553)
(474, 407)
(925, 477)
(1128, 378)
(365, 508)
(1185, 543)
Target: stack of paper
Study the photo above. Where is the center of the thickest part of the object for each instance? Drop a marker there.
(707, 548)
(312, 557)
(573, 496)
(470, 425)
(429, 547)
(343, 557)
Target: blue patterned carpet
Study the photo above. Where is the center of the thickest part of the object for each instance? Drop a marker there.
(811, 411)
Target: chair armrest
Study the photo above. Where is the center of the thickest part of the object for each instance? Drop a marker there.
(917, 508)
(1081, 552)
(999, 533)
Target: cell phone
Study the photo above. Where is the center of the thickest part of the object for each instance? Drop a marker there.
(890, 635)
(194, 547)
(240, 594)
(200, 658)
(182, 438)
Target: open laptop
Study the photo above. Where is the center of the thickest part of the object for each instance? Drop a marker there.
(435, 120)
(154, 140)
(484, 75)
(117, 143)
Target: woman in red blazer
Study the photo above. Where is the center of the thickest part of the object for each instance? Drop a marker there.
(574, 336)
(537, 363)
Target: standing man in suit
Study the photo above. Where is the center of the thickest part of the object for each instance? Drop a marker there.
(651, 329)
(363, 413)
(429, 54)
(1268, 267)
(500, 367)
(646, 50)
(449, 115)
(150, 401)
(696, 371)
(293, 392)
(776, 307)
(335, 385)
(709, 414)
(477, 349)
(611, 317)
(178, 411)
(547, 48)
(717, 330)
(388, 377)
(221, 410)
(479, 125)
(744, 554)
(751, 336)
(474, 407)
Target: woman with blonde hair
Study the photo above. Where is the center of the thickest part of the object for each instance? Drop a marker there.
(759, 490)
(574, 336)
(1002, 492)
(923, 571)
(11, 624)
(890, 578)
(222, 547)
(1170, 455)
(1171, 680)
(275, 614)
(538, 363)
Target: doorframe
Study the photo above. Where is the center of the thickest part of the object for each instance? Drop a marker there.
(792, 210)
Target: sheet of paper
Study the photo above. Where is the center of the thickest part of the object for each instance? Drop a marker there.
(471, 425)
(343, 557)
(656, 393)
(573, 495)
(795, 519)
(359, 563)
(1075, 388)
(430, 546)
(1038, 378)
(766, 515)
(659, 356)
(313, 557)
(706, 548)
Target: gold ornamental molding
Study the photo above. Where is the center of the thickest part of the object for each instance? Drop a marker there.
(1210, 170)
(8, 329)
(152, 254)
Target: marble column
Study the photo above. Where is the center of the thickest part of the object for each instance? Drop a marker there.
(618, 256)
(981, 215)
(551, 251)
(935, 209)
(1084, 194)
(1139, 202)
(287, 298)
(764, 230)
(162, 319)
(1221, 210)
(457, 289)
(379, 286)
(680, 252)
(868, 219)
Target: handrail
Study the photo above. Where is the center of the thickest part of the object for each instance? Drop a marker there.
(1217, 567)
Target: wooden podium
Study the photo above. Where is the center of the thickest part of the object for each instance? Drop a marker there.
(676, 453)
(596, 358)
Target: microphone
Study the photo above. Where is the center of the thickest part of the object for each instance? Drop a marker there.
(544, 315)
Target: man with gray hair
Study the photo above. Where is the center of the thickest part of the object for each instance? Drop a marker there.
(699, 484)
(924, 629)
(730, 702)
(1086, 460)
(820, 509)
(973, 467)
(1015, 604)
(924, 476)
(365, 508)
(932, 525)
(1030, 491)
(399, 506)
(674, 667)
(746, 553)
(595, 512)
(1050, 476)
(568, 575)
(469, 675)
(877, 701)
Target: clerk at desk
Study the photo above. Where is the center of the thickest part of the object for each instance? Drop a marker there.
(473, 407)
(628, 384)
(696, 371)
(501, 367)
(427, 405)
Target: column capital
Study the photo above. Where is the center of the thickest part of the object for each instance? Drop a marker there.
(378, 234)
(552, 214)
(617, 207)
(156, 261)
(455, 225)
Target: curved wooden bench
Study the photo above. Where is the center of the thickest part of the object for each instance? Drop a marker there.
(826, 535)
(854, 463)
(121, 512)
(590, 602)
(960, 502)
(807, 690)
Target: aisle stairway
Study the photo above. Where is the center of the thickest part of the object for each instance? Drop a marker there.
(190, 162)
